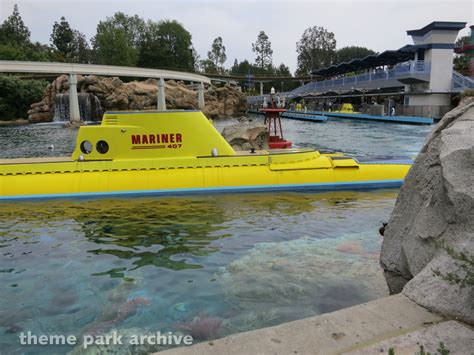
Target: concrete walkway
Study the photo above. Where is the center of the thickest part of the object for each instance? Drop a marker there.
(360, 329)
(456, 337)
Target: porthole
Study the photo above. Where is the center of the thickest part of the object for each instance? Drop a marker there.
(102, 147)
(86, 147)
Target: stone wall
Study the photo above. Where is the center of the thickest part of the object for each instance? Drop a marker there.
(114, 94)
(428, 247)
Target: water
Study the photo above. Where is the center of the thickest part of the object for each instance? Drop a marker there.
(90, 108)
(350, 137)
(355, 137)
(36, 140)
(202, 265)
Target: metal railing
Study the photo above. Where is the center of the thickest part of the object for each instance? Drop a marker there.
(401, 69)
(461, 82)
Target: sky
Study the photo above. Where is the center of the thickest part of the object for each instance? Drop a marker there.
(375, 24)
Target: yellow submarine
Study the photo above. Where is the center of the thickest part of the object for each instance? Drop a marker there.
(176, 152)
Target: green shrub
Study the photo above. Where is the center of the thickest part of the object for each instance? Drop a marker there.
(16, 96)
(467, 92)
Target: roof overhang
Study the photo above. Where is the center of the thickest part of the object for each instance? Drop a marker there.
(389, 57)
(439, 26)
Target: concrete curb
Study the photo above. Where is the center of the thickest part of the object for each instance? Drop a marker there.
(332, 333)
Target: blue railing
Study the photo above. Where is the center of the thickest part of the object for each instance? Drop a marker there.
(411, 67)
(350, 80)
(402, 69)
(379, 75)
(461, 82)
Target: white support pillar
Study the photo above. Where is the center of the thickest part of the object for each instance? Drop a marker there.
(201, 103)
(161, 101)
(261, 88)
(74, 114)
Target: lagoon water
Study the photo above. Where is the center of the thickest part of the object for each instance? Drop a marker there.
(201, 265)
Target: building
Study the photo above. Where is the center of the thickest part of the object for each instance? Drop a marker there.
(417, 79)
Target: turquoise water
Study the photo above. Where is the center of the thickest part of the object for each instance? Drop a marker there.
(208, 266)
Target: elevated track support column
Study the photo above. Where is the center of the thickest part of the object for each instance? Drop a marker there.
(161, 101)
(74, 113)
(201, 103)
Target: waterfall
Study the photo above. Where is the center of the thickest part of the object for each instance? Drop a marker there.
(61, 108)
(89, 107)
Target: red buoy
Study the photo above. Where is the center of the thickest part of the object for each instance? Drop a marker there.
(273, 123)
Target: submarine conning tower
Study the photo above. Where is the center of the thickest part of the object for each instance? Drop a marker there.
(131, 135)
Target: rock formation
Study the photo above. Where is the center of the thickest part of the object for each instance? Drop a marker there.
(114, 94)
(428, 248)
(246, 135)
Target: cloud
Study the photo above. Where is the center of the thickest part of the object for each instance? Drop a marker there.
(376, 24)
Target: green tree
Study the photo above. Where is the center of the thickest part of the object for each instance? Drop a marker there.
(16, 96)
(461, 61)
(196, 58)
(217, 53)
(347, 54)
(263, 49)
(117, 40)
(15, 41)
(38, 52)
(112, 46)
(82, 52)
(283, 71)
(167, 45)
(9, 52)
(207, 66)
(242, 68)
(71, 45)
(32, 52)
(316, 49)
(134, 26)
(62, 38)
(13, 30)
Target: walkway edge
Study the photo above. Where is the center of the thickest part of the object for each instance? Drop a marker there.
(330, 333)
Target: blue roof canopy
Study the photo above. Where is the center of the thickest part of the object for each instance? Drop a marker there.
(437, 25)
(390, 57)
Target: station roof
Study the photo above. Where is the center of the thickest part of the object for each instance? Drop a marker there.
(389, 57)
(437, 25)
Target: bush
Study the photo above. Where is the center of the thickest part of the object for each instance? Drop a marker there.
(467, 92)
(16, 96)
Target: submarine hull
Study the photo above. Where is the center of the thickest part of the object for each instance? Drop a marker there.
(104, 178)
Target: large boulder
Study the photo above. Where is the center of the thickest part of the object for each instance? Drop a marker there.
(246, 135)
(428, 247)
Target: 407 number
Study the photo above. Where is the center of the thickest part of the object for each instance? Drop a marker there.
(173, 146)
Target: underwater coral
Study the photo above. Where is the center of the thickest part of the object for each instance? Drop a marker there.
(202, 327)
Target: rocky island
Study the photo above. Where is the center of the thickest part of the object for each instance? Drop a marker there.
(99, 94)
